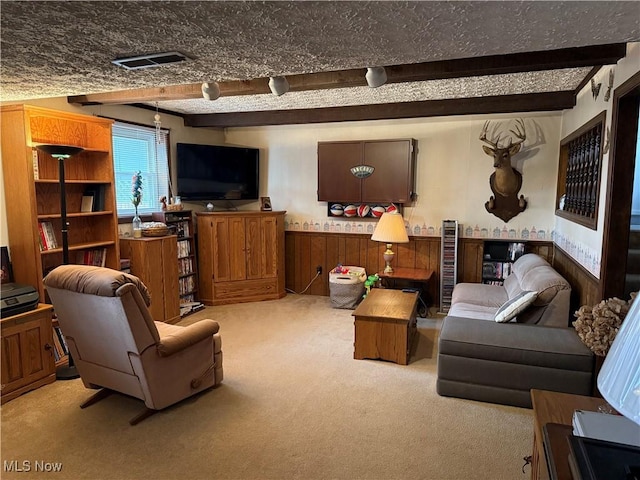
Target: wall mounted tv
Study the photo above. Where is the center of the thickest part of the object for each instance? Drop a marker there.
(217, 172)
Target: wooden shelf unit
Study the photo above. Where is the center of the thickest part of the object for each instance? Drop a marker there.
(181, 223)
(448, 263)
(241, 256)
(153, 260)
(32, 190)
(497, 258)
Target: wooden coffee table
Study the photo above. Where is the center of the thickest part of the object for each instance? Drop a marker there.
(385, 324)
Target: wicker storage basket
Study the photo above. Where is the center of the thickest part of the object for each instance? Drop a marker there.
(346, 290)
(154, 229)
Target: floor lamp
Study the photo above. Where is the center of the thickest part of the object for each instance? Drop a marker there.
(61, 153)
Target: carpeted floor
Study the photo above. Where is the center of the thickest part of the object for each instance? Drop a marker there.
(294, 404)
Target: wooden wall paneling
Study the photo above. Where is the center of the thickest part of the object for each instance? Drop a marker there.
(305, 263)
(544, 249)
(291, 267)
(585, 288)
(470, 260)
(405, 255)
(318, 252)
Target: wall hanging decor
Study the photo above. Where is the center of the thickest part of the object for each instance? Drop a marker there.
(506, 181)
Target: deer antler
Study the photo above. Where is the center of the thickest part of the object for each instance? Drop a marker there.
(519, 132)
(483, 136)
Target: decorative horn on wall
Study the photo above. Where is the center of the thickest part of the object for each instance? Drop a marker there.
(505, 181)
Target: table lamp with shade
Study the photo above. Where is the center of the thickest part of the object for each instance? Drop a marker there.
(62, 153)
(619, 377)
(390, 230)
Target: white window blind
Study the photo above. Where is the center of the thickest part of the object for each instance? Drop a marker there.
(138, 148)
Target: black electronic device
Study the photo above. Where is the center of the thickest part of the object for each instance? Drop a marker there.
(17, 299)
(217, 172)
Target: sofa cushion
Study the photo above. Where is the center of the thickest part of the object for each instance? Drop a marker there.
(512, 285)
(533, 345)
(479, 294)
(470, 310)
(512, 307)
(544, 280)
(526, 262)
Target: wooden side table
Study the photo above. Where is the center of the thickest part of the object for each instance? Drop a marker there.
(412, 276)
(385, 324)
(555, 408)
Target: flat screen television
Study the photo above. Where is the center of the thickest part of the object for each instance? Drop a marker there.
(217, 172)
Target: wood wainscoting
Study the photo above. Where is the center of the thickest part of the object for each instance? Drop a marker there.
(304, 251)
(585, 288)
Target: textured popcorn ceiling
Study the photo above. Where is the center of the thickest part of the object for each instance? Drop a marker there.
(66, 48)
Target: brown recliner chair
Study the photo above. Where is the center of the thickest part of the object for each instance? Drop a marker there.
(117, 346)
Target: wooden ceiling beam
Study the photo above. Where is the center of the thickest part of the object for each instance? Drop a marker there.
(534, 102)
(467, 67)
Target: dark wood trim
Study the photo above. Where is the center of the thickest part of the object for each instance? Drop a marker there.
(624, 134)
(456, 68)
(533, 102)
(587, 79)
(586, 221)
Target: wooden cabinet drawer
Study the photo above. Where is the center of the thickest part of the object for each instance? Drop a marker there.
(246, 291)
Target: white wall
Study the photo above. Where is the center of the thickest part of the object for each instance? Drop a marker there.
(178, 133)
(452, 171)
(584, 244)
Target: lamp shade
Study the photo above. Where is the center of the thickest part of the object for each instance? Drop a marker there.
(619, 377)
(390, 229)
(64, 151)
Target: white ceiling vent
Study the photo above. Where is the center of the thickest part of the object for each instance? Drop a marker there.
(148, 61)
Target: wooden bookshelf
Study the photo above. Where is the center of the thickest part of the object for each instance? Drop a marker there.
(180, 222)
(32, 189)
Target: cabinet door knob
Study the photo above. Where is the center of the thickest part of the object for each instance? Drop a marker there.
(47, 346)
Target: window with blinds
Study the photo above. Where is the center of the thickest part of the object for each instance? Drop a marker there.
(138, 148)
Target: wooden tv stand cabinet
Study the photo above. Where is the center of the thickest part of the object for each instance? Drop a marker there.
(240, 256)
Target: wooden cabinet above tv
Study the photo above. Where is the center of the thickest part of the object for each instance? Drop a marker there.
(391, 181)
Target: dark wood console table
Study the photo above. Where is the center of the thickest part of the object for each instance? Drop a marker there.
(554, 410)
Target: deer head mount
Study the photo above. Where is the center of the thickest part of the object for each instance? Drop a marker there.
(505, 182)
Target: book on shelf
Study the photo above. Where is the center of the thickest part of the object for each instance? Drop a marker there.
(61, 340)
(47, 236)
(125, 265)
(96, 257)
(97, 192)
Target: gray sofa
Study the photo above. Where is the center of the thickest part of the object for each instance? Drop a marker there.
(481, 359)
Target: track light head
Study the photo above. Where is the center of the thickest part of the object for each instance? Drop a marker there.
(376, 76)
(278, 85)
(210, 91)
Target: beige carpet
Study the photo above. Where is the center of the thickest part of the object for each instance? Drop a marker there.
(294, 405)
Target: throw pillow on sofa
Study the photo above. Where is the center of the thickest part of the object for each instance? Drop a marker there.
(512, 307)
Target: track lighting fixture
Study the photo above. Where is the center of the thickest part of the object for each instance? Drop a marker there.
(278, 85)
(210, 91)
(376, 76)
